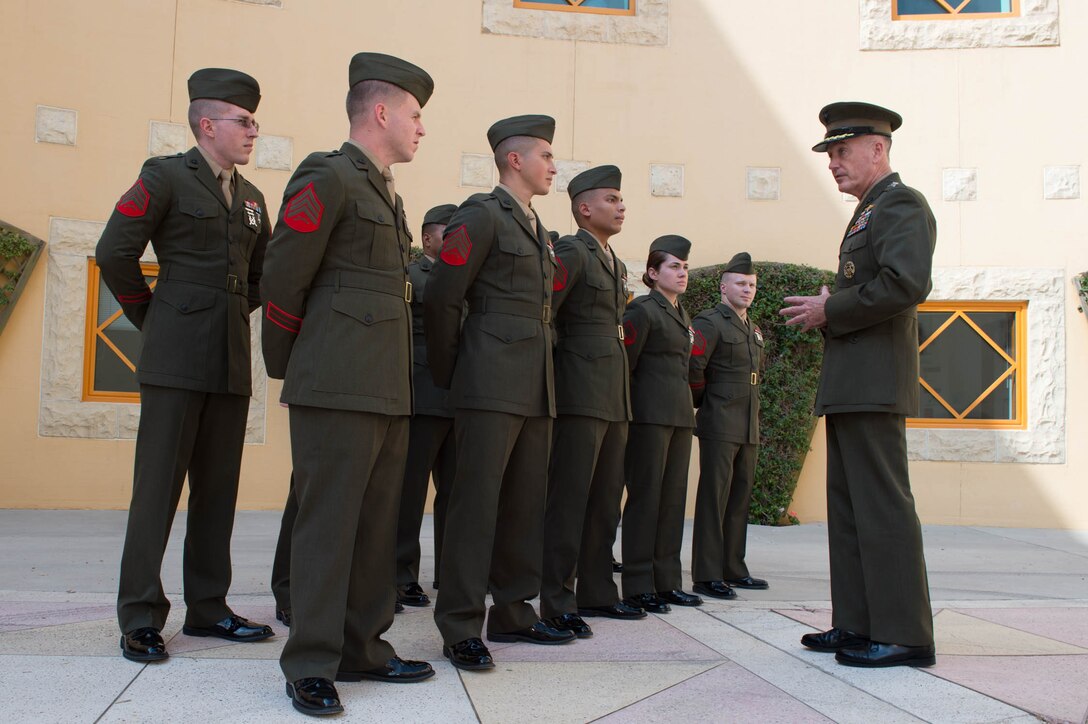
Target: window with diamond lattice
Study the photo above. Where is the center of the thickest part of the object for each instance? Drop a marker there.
(112, 345)
(954, 9)
(606, 7)
(972, 358)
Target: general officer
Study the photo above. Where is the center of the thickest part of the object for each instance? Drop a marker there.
(496, 256)
(430, 434)
(868, 386)
(338, 332)
(657, 333)
(723, 373)
(208, 227)
(593, 401)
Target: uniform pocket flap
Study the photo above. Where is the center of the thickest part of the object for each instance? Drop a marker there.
(184, 298)
(368, 308)
(507, 329)
(374, 213)
(197, 207)
(517, 245)
(855, 242)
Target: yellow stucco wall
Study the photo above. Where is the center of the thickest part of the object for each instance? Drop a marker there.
(733, 88)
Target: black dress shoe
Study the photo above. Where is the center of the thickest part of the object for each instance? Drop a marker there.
(539, 633)
(232, 628)
(748, 582)
(316, 697)
(143, 644)
(833, 640)
(617, 567)
(619, 610)
(398, 607)
(679, 598)
(648, 602)
(434, 584)
(714, 589)
(874, 655)
(396, 670)
(470, 655)
(283, 615)
(412, 595)
(571, 622)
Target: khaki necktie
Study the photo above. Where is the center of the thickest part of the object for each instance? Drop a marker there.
(387, 174)
(532, 219)
(226, 178)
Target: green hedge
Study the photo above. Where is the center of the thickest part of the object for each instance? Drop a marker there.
(791, 374)
(12, 246)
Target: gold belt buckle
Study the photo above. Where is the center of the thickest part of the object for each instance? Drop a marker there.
(619, 328)
(408, 292)
(755, 379)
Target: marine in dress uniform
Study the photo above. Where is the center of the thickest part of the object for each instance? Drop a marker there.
(593, 401)
(430, 435)
(496, 256)
(337, 330)
(723, 373)
(208, 227)
(658, 336)
(868, 386)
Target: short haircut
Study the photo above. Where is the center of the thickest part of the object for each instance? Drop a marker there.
(205, 108)
(429, 228)
(365, 94)
(515, 144)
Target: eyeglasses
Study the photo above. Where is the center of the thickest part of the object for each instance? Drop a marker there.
(246, 123)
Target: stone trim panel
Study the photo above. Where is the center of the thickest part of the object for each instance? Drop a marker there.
(1037, 25)
(649, 26)
(56, 125)
(1044, 439)
(62, 412)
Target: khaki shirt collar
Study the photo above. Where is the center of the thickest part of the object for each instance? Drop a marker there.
(526, 209)
(215, 167)
(369, 156)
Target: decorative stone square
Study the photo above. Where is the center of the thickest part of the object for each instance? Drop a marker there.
(764, 184)
(565, 171)
(478, 169)
(274, 152)
(649, 26)
(1061, 182)
(166, 139)
(270, 3)
(56, 125)
(960, 184)
(666, 179)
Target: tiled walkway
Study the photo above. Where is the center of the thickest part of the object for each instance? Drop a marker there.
(1011, 616)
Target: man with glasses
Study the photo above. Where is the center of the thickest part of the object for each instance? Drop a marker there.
(208, 226)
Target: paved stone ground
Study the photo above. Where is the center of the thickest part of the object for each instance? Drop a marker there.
(1011, 614)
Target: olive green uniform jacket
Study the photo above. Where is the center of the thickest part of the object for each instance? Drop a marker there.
(868, 385)
(337, 329)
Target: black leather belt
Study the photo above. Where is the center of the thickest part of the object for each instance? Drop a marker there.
(592, 329)
(511, 306)
(734, 377)
(232, 283)
(370, 281)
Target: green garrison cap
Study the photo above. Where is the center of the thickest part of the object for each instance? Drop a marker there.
(536, 126)
(678, 246)
(848, 119)
(401, 73)
(741, 264)
(600, 177)
(440, 214)
(224, 84)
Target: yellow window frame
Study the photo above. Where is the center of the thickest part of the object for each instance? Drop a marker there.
(575, 6)
(955, 8)
(95, 331)
(962, 310)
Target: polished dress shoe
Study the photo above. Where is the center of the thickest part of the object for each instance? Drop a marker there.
(396, 670)
(412, 595)
(714, 589)
(470, 655)
(313, 696)
(617, 567)
(232, 628)
(618, 610)
(649, 602)
(875, 655)
(571, 622)
(748, 582)
(539, 633)
(398, 607)
(434, 584)
(143, 644)
(833, 640)
(679, 598)
(283, 615)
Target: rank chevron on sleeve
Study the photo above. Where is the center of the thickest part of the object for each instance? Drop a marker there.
(134, 201)
(456, 246)
(304, 211)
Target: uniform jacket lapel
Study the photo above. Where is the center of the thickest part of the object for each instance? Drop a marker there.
(194, 159)
(363, 164)
(669, 308)
(514, 208)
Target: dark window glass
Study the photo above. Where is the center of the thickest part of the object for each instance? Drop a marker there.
(961, 364)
